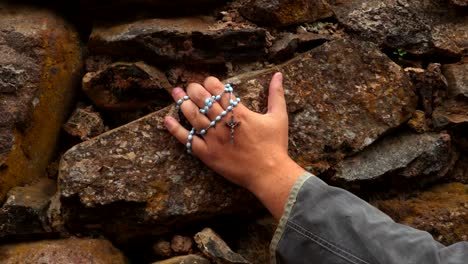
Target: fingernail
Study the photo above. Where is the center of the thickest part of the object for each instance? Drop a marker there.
(279, 75)
(176, 90)
(168, 121)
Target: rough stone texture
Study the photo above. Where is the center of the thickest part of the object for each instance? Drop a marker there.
(89, 251)
(24, 213)
(127, 86)
(189, 259)
(418, 122)
(39, 63)
(85, 123)
(181, 244)
(162, 248)
(459, 2)
(460, 171)
(457, 78)
(212, 246)
(254, 244)
(453, 111)
(430, 85)
(288, 43)
(285, 12)
(441, 211)
(419, 27)
(404, 154)
(143, 171)
(188, 40)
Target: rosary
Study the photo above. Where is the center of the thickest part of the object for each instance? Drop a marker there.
(232, 124)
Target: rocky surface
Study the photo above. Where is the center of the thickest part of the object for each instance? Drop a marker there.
(452, 111)
(145, 170)
(163, 248)
(457, 78)
(189, 259)
(285, 12)
(254, 243)
(181, 244)
(24, 213)
(188, 40)
(418, 27)
(127, 86)
(216, 249)
(400, 155)
(441, 211)
(92, 251)
(39, 63)
(85, 123)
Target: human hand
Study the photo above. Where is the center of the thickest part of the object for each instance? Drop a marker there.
(258, 159)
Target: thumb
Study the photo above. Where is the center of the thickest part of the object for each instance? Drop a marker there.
(276, 100)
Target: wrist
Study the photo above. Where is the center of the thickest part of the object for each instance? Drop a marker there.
(273, 183)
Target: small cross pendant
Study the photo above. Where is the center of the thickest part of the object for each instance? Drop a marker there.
(232, 125)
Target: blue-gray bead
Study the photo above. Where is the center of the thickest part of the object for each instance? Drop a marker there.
(190, 137)
(218, 97)
(238, 99)
(218, 118)
(229, 108)
(203, 132)
(189, 145)
(180, 101)
(235, 103)
(203, 111)
(213, 123)
(224, 113)
(186, 97)
(189, 151)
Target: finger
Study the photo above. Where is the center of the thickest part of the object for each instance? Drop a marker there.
(190, 110)
(276, 100)
(216, 87)
(199, 95)
(198, 146)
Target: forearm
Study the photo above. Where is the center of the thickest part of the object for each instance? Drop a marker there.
(331, 224)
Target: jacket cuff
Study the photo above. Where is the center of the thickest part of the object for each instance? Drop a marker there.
(287, 211)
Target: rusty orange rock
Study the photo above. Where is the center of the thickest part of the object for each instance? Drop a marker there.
(40, 60)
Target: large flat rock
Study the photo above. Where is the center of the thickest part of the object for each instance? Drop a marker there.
(189, 39)
(419, 27)
(40, 60)
(403, 154)
(341, 96)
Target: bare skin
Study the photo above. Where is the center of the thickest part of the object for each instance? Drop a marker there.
(258, 160)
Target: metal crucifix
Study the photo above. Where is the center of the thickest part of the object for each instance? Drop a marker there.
(232, 125)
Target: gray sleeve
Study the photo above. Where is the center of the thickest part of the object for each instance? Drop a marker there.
(324, 224)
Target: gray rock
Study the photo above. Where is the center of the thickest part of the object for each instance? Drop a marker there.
(403, 154)
(138, 175)
(189, 259)
(193, 39)
(73, 250)
(457, 77)
(216, 249)
(418, 27)
(453, 111)
(285, 12)
(24, 213)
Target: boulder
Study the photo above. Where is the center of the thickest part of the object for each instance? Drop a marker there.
(189, 40)
(181, 245)
(40, 62)
(281, 13)
(162, 248)
(400, 155)
(457, 78)
(212, 246)
(459, 2)
(441, 211)
(85, 123)
(127, 86)
(418, 27)
(24, 214)
(73, 250)
(453, 111)
(189, 259)
(139, 175)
